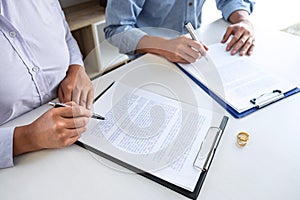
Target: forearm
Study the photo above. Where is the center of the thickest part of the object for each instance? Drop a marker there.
(151, 44)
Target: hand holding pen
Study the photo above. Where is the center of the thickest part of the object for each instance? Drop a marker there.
(56, 128)
(58, 105)
(194, 36)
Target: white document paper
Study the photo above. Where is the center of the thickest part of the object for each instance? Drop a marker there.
(235, 79)
(153, 133)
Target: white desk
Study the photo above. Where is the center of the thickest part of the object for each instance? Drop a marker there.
(267, 168)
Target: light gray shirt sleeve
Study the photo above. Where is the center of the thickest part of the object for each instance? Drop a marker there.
(75, 54)
(6, 147)
(74, 51)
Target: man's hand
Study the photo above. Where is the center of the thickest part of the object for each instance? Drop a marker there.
(242, 32)
(57, 128)
(180, 49)
(76, 87)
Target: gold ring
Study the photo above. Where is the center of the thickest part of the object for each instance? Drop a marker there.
(242, 138)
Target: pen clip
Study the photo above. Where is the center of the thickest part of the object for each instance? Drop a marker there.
(267, 98)
(58, 104)
(207, 148)
(52, 104)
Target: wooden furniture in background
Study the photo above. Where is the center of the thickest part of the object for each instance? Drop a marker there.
(86, 21)
(80, 18)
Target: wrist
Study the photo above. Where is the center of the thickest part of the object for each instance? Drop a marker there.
(24, 140)
(239, 16)
(151, 44)
(73, 69)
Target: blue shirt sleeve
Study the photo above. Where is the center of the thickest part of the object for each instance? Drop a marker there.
(6, 147)
(228, 7)
(121, 30)
(127, 41)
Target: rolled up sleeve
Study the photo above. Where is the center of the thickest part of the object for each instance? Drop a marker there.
(121, 30)
(127, 41)
(228, 7)
(6, 147)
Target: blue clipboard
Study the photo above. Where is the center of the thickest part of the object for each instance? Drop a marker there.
(226, 106)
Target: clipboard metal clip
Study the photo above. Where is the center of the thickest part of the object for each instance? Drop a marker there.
(207, 148)
(267, 98)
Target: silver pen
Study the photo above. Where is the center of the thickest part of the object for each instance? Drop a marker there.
(192, 31)
(58, 105)
(193, 34)
(212, 151)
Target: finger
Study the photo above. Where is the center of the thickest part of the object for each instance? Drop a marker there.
(80, 111)
(239, 44)
(76, 96)
(70, 141)
(73, 111)
(73, 123)
(63, 112)
(187, 57)
(233, 40)
(70, 133)
(71, 103)
(76, 134)
(198, 47)
(64, 125)
(250, 50)
(60, 95)
(202, 50)
(191, 52)
(227, 34)
(246, 46)
(79, 131)
(83, 98)
(90, 99)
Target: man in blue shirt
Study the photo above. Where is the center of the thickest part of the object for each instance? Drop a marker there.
(131, 24)
(40, 60)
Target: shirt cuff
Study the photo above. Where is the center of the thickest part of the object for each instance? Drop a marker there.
(6, 147)
(127, 41)
(75, 55)
(76, 61)
(228, 9)
(74, 51)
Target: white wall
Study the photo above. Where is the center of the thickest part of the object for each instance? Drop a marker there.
(276, 14)
(267, 14)
(66, 3)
